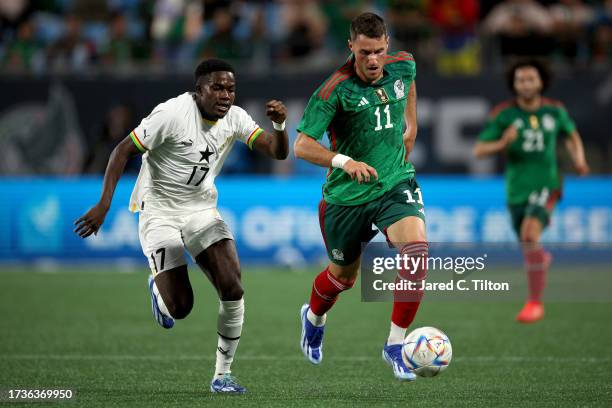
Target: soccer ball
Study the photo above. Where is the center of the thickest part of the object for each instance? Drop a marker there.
(427, 351)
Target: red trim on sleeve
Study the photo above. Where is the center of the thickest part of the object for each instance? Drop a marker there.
(328, 86)
(500, 107)
(333, 141)
(553, 102)
(400, 56)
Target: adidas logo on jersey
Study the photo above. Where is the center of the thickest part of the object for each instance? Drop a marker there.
(363, 101)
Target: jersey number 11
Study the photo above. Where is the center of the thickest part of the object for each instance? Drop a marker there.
(388, 125)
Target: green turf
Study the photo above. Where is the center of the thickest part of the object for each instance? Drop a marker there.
(92, 331)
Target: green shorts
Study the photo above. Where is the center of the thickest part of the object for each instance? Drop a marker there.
(540, 205)
(346, 228)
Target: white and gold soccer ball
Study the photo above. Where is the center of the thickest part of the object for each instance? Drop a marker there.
(427, 351)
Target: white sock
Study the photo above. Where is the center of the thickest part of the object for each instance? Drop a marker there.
(316, 320)
(229, 328)
(396, 334)
(160, 301)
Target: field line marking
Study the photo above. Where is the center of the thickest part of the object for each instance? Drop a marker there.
(474, 359)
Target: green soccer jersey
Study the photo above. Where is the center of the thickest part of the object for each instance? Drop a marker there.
(366, 122)
(531, 159)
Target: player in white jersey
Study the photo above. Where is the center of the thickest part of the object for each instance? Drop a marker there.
(185, 141)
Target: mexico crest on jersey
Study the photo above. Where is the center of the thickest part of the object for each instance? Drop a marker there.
(382, 95)
(337, 254)
(398, 87)
(548, 122)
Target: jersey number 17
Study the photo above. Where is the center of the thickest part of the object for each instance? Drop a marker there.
(204, 171)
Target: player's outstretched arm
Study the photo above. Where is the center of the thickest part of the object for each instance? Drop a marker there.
(310, 150)
(275, 144)
(93, 219)
(575, 148)
(410, 117)
(482, 149)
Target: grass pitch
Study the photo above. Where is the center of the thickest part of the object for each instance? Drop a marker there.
(92, 331)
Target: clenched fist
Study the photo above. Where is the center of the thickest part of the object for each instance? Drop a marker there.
(276, 111)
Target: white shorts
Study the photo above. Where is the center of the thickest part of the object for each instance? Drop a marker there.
(164, 239)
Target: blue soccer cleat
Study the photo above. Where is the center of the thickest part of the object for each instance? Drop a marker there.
(392, 354)
(226, 385)
(164, 321)
(312, 338)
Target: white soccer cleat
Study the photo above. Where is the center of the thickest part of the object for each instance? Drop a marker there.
(311, 341)
(392, 354)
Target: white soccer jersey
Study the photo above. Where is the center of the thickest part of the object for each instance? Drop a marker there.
(183, 153)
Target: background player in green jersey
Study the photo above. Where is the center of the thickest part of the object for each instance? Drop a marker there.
(368, 108)
(527, 128)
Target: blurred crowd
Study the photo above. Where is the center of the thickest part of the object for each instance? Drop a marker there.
(455, 37)
(124, 37)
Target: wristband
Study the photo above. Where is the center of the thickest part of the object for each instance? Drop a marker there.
(339, 161)
(279, 126)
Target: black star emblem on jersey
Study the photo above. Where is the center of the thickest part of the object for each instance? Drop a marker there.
(206, 154)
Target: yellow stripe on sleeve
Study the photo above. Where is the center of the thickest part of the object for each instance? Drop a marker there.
(137, 142)
(254, 135)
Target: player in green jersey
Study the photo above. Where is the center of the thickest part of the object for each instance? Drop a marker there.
(368, 108)
(527, 129)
